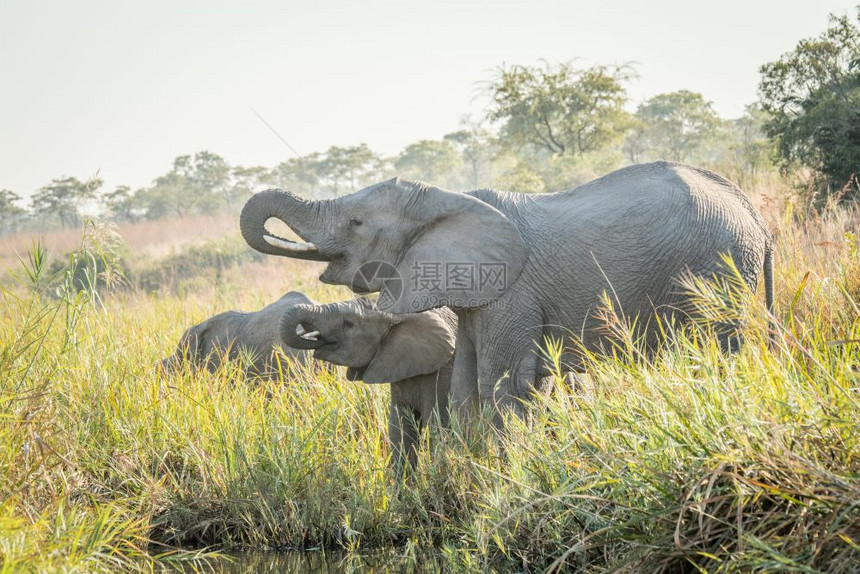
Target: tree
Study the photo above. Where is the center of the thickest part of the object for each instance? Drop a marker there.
(10, 212)
(198, 184)
(122, 203)
(676, 126)
(477, 148)
(430, 160)
(349, 169)
(813, 97)
(63, 199)
(560, 109)
(338, 171)
(170, 195)
(207, 176)
(521, 178)
(247, 180)
(749, 149)
(302, 175)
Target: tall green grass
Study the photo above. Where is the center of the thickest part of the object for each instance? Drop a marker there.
(688, 461)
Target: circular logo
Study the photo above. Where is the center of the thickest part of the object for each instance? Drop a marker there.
(379, 276)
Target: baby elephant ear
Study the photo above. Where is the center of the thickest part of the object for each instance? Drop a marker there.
(464, 253)
(417, 344)
(191, 345)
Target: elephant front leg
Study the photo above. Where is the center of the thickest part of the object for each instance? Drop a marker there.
(403, 434)
(464, 397)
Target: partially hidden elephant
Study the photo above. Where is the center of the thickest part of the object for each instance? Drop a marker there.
(412, 352)
(227, 336)
(517, 268)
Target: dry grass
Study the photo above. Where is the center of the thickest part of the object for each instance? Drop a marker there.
(153, 239)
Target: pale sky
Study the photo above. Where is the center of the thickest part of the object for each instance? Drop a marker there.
(124, 87)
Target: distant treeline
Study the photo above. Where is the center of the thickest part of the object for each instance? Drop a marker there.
(680, 126)
(547, 127)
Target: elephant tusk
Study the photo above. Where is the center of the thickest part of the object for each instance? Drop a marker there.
(312, 336)
(300, 329)
(292, 246)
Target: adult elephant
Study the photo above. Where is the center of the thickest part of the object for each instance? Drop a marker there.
(414, 353)
(517, 267)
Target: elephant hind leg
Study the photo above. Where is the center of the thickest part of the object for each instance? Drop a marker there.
(505, 385)
(729, 337)
(508, 360)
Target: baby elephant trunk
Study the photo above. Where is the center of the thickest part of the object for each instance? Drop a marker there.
(301, 328)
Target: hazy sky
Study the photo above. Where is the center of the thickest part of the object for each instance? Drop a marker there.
(124, 87)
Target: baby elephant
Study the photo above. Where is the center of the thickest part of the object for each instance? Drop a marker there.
(232, 334)
(413, 352)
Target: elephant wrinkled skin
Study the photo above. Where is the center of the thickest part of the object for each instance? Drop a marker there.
(529, 266)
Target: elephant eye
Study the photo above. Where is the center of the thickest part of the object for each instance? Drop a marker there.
(355, 222)
(348, 324)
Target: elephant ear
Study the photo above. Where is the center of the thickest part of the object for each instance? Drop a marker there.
(191, 344)
(417, 344)
(463, 253)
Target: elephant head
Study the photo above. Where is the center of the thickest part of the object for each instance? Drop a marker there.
(206, 344)
(420, 246)
(376, 346)
(226, 336)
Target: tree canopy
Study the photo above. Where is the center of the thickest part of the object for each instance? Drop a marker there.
(812, 95)
(477, 148)
(63, 199)
(429, 160)
(10, 210)
(560, 109)
(674, 126)
(337, 171)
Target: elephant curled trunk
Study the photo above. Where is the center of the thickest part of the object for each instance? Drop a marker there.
(299, 214)
(300, 328)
